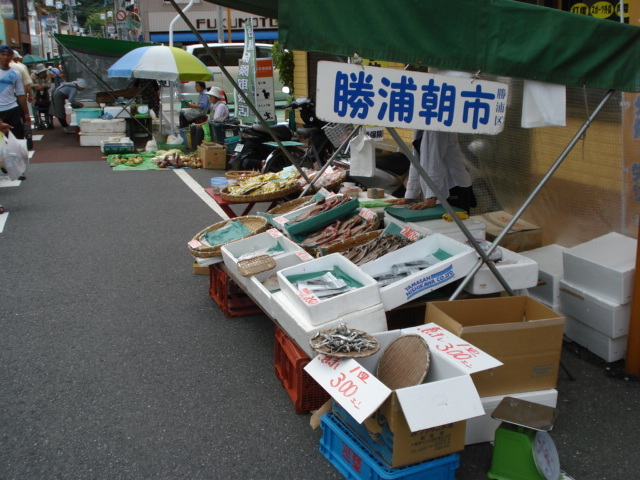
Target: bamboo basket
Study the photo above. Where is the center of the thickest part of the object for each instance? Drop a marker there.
(333, 185)
(241, 175)
(254, 223)
(267, 197)
(404, 363)
(289, 206)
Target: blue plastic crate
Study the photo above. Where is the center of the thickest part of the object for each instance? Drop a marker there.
(357, 462)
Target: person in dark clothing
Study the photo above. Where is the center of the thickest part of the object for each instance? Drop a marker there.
(149, 93)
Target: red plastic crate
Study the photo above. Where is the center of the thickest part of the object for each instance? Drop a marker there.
(289, 364)
(228, 295)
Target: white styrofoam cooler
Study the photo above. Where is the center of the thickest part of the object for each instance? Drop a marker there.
(601, 314)
(605, 266)
(483, 428)
(117, 111)
(550, 271)
(518, 271)
(449, 229)
(369, 319)
(607, 348)
(100, 126)
(94, 139)
(340, 305)
(263, 241)
(426, 280)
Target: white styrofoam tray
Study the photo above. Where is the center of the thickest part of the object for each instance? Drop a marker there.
(522, 273)
(550, 272)
(483, 429)
(317, 313)
(98, 125)
(369, 319)
(263, 241)
(605, 266)
(429, 279)
(449, 229)
(601, 314)
(609, 349)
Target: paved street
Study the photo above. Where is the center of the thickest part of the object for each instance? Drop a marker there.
(116, 364)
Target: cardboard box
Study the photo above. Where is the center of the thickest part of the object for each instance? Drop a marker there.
(368, 319)
(483, 429)
(609, 349)
(524, 334)
(601, 314)
(418, 422)
(213, 157)
(550, 272)
(605, 266)
(426, 280)
(318, 312)
(518, 271)
(522, 236)
(200, 270)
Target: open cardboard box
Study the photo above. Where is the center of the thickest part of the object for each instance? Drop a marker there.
(524, 334)
(426, 280)
(522, 236)
(416, 423)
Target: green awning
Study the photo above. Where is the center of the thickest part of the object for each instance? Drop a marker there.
(499, 37)
(101, 46)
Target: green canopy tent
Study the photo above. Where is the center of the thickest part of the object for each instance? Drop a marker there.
(497, 37)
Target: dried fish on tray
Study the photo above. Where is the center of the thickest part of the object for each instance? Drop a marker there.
(325, 286)
(376, 248)
(338, 231)
(402, 270)
(345, 342)
(323, 205)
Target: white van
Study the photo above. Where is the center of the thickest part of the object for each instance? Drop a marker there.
(229, 54)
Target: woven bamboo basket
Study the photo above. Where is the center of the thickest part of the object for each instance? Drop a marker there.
(335, 184)
(289, 206)
(255, 265)
(267, 197)
(404, 363)
(241, 175)
(254, 223)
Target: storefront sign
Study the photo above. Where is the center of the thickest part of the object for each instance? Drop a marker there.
(348, 93)
(607, 9)
(358, 391)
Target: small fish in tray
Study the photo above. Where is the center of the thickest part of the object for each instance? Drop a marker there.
(322, 206)
(344, 342)
(326, 286)
(376, 248)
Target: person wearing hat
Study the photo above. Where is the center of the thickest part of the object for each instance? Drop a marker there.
(200, 109)
(14, 109)
(66, 91)
(41, 78)
(24, 72)
(219, 109)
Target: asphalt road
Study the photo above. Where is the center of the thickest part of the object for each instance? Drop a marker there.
(116, 364)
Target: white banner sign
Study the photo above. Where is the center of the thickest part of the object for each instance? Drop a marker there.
(349, 93)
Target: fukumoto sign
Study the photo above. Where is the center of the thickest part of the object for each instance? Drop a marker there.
(348, 93)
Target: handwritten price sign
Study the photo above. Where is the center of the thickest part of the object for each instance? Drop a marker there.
(456, 350)
(410, 234)
(308, 296)
(351, 385)
(367, 214)
(194, 243)
(304, 255)
(281, 220)
(274, 232)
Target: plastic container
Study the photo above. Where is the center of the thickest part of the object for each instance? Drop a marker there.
(217, 184)
(289, 363)
(87, 113)
(229, 296)
(355, 461)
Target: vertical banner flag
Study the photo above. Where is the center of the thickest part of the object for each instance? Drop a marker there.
(255, 79)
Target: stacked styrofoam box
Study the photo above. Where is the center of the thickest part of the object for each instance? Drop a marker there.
(517, 270)
(95, 131)
(595, 294)
(448, 229)
(118, 111)
(550, 272)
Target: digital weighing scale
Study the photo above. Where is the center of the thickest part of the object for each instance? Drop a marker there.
(523, 450)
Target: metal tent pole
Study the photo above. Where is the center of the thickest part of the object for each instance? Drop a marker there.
(416, 164)
(535, 192)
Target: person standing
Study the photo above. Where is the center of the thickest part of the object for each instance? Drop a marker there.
(14, 109)
(220, 110)
(199, 109)
(441, 157)
(24, 72)
(66, 91)
(149, 93)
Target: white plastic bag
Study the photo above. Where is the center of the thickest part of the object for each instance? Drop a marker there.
(152, 146)
(363, 155)
(15, 156)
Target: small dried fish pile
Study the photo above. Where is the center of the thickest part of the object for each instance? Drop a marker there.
(337, 231)
(401, 270)
(322, 206)
(342, 340)
(376, 248)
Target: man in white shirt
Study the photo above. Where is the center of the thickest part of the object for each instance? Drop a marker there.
(14, 109)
